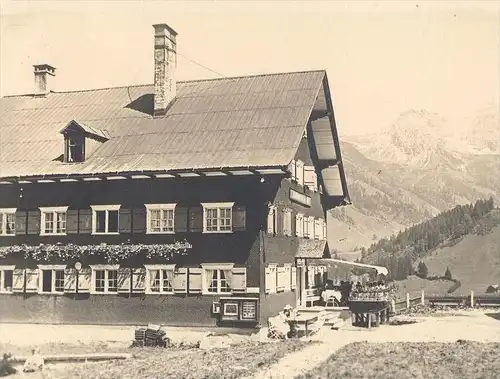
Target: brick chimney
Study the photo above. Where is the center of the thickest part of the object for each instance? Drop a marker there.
(43, 72)
(165, 67)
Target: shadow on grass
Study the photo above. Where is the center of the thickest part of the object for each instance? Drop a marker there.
(495, 315)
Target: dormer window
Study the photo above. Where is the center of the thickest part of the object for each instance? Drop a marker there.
(79, 141)
(75, 149)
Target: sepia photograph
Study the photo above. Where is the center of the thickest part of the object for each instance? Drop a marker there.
(250, 189)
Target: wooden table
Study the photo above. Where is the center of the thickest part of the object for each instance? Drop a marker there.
(304, 319)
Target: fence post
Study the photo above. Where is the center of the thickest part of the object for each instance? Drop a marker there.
(407, 300)
(393, 305)
(472, 299)
(422, 298)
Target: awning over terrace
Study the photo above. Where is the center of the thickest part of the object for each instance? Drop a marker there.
(380, 269)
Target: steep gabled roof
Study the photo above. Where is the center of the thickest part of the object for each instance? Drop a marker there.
(252, 121)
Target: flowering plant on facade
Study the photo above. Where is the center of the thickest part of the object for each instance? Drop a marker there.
(111, 253)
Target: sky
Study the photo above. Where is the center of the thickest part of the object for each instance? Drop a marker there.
(382, 58)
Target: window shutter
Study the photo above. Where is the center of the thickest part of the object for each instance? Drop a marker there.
(84, 280)
(21, 222)
(239, 218)
(85, 221)
(180, 219)
(196, 219)
(300, 173)
(309, 177)
(34, 222)
(239, 279)
(138, 280)
(324, 230)
(195, 280)
(31, 280)
(293, 224)
(279, 221)
(287, 221)
(292, 169)
(180, 280)
(69, 280)
(72, 222)
(270, 220)
(125, 221)
(18, 280)
(139, 220)
(294, 278)
(124, 280)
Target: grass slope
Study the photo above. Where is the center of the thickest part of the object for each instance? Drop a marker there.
(458, 360)
(475, 261)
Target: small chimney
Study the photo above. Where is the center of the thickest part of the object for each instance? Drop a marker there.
(43, 72)
(165, 67)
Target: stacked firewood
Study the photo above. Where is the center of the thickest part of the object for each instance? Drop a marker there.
(152, 336)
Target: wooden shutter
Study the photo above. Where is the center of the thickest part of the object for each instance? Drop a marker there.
(84, 280)
(138, 280)
(72, 222)
(70, 280)
(294, 278)
(21, 217)
(293, 224)
(32, 280)
(124, 221)
(139, 220)
(180, 219)
(34, 222)
(18, 280)
(309, 177)
(270, 220)
(196, 219)
(292, 169)
(124, 280)
(239, 279)
(85, 221)
(180, 280)
(195, 280)
(239, 218)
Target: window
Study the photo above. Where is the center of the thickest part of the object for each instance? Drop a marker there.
(300, 172)
(271, 279)
(51, 278)
(53, 220)
(293, 170)
(105, 219)
(217, 217)
(310, 178)
(6, 278)
(306, 226)
(160, 278)
(299, 225)
(287, 222)
(160, 218)
(217, 278)
(310, 222)
(271, 220)
(105, 278)
(8, 222)
(75, 149)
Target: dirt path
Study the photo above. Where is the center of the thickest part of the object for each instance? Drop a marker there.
(475, 326)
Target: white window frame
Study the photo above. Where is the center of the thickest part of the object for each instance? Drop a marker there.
(299, 225)
(161, 208)
(106, 208)
(219, 267)
(55, 211)
(218, 206)
(4, 268)
(3, 215)
(170, 267)
(271, 220)
(287, 222)
(52, 268)
(106, 269)
(273, 267)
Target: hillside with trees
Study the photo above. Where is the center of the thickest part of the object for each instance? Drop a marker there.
(406, 253)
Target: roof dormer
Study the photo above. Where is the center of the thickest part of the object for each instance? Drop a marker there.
(80, 140)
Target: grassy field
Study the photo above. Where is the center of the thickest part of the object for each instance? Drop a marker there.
(475, 261)
(414, 286)
(460, 360)
(190, 363)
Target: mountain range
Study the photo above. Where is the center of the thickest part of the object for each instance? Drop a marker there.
(419, 167)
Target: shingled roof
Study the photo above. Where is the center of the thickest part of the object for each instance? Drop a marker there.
(252, 121)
